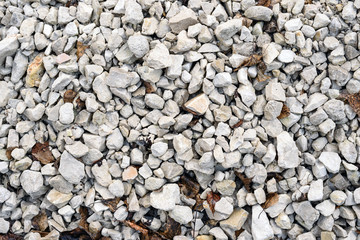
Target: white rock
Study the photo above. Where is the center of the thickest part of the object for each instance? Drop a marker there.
(158, 149)
(316, 191)
(138, 45)
(331, 161)
(78, 149)
(247, 94)
(71, 169)
(159, 57)
(8, 47)
(66, 113)
(4, 226)
(226, 30)
(102, 174)
(166, 198)
(84, 12)
(181, 21)
(181, 214)
(32, 182)
(287, 151)
(260, 225)
(222, 79)
(6, 93)
(286, 56)
(198, 104)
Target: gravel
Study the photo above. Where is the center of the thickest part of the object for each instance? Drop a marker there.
(236, 119)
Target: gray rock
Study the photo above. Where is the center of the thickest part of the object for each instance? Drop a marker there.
(78, 149)
(259, 13)
(331, 161)
(183, 20)
(84, 12)
(8, 47)
(307, 214)
(66, 113)
(153, 100)
(71, 169)
(32, 182)
(348, 150)
(115, 140)
(133, 12)
(120, 78)
(6, 93)
(19, 66)
(222, 79)
(4, 226)
(226, 30)
(335, 109)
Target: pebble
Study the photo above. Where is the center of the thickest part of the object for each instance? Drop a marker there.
(331, 161)
(198, 104)
(338, 197)
(181, 214)
(66, 113)
(259, 13)
(287, 151)
(260, 225)
(32, 182)
(71, 169)
(166, 198)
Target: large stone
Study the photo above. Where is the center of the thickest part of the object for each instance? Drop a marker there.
(226, 30)
(32, 182)
(6, 93)
(331, 161)
(159, 57)
(120, 78)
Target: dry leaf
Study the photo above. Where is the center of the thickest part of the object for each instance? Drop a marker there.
(69, 96)
(271, 199)
(189, 187)
(8, 152)
(83, 216)
(199, 203)
(308, 2)
(10, 236)
(40, 221)
(285, 112)
(76, 234)
(171, 229)
(42, 153)
(265, 3)
(238, 124)
(354, 102)
(71, 3)
(148, 87)
(112, 204)
(80, 104)
(261, 77)
(137, 227)
(251, 61)
(246, 181)
(275, 175)
(212, 199)
(80, 49)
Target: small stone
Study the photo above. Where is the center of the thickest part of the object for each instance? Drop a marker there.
(198, 104)
(287, 151)
(259, 13)
(293, 25)
(133, 13)
(35, 71)
(260, 225)
(222, 79)
(5, 194)
(166, 198)
(316, 191)
(71, 169)
(84, 12)
(129, 173)
(138, 45)
(226, 30)
(117, 188)
(274, 91)
(32, 182)
(102, 174)
(321, 20)
(158, 149)
(4, 226)
(78, 149)
(331, 161)
(58, 199)
(286, 56)
(338, 197)
(181, 214)
(183, 20)
(66, 113)
(153, 100)
(348, 150)
(315, 101)
(357, 195)
(159, 57)
(8, 47)
(307, 213)
(236, 220)
(120, 78)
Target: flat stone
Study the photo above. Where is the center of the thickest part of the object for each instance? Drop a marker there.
(58, 199)
(226, 30)
(236, 219)
(120, 78)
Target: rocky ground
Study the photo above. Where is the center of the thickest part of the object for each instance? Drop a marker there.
(192, 119)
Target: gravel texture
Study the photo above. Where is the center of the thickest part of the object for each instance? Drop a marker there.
(191, 119)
